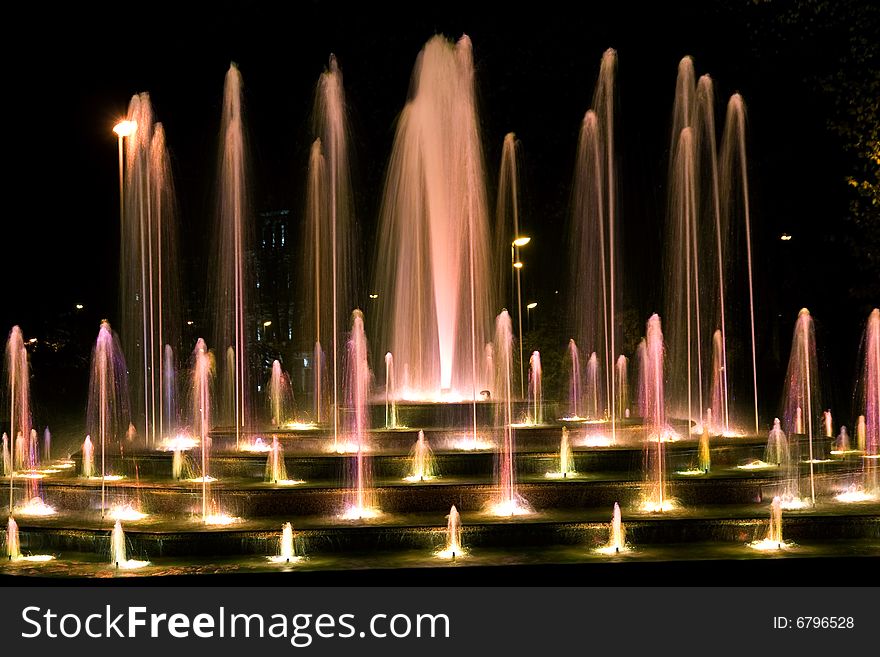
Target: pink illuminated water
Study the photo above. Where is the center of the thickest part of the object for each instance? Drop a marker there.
(536, 394)
(434, 268)
(280, 395)
(655, 417)
(870, 425)
(575, 382)
(202, 380)
(19, 400)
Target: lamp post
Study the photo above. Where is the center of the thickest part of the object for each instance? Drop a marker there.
(529, 308)
(517, 264)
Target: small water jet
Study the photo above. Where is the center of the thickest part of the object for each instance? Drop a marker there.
(128, 512)
(7, 457)
(47, 446)
(773, 541)
(617, 535)
(276, 469)
(575, 383)
(566, 459)
(13, 546)
(422, 464)
(287, 549)
(118, 554)
(35, 507)
(842, 444)
(454, 548)
(202, 378)
(280, 395)
(390, 393)
(705, 451)
(777, 452)
(19, 396)
(536, 395)
(593, 393)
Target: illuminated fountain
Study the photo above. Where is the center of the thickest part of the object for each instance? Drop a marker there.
(509, 502)
(536, 396)
(801, 400)
(287, 549)
(88, 458)
(280, 395)
(596, 260)
(657, 430)
(566, 459)
(19, 396)
(233, 277)
(46, 456)
(422, 464)
(359, 498)
(868, 424)
(390, 393)
(276, 470)
(842, 443)
(575, 383)
(13, 546)
(434, 233)
(622, 385)
(705, 451)
(617, 536)
(118, 555)
(773, 541)
(453, 548)
(828, 424)
(7, 457)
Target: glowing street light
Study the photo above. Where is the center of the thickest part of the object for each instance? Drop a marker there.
(785, 237)
(374, 296)
(529, 308)
(515, 245)
(125, 128)
(78, 306)
(522, 241)
(517, 265)
(532, 305)
(267, 323)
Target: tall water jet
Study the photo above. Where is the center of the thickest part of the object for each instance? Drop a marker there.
(422, 464)
(861, 433)
(280, 395)
(802, 392)
(331, 235)
(359, 498)
(508, 502)
(717, 422)
(536, 394)
(108, 410)
(231, 277)
(507, 235)
(596, 259)
(617, 535)
(705, 453)
(202, 379)
(149, 288)
(19, 396)
(593, 389)
(658, 432)
(47, 446)
(575, 383)
(454, 547)
(287, 548)
(434, 237)
(869, 423)
(390, 393)
(118, 552)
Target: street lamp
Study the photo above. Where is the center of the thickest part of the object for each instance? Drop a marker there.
(529, 308)
(517, 264)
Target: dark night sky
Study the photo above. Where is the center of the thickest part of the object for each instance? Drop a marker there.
(73, 70)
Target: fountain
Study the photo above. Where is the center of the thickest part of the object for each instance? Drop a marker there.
(453, 547)
(596, 258)
(359, 499)
(861, 433)
(509, 502)
(536, 397)
(575, 383)
(828, 424)
(108, 410)
(390, 393)
(88, 458)
(434, 232)
(287, 550)
(617, 536)
(231, 276)
(7, 457)
(170, 418)
(19, 396)
(841, 443)
(148, 291)
(622, 386)
(657, 499)
(773, 541)
(202, 378)
(422, 465)
(777, 452)
(594, 406)
(13, 546)
(47, 446)
(177, 464)
(566, 459)
(118, 556)
(705, 451)
(280, 396)
(276, 470)
(801, 392)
